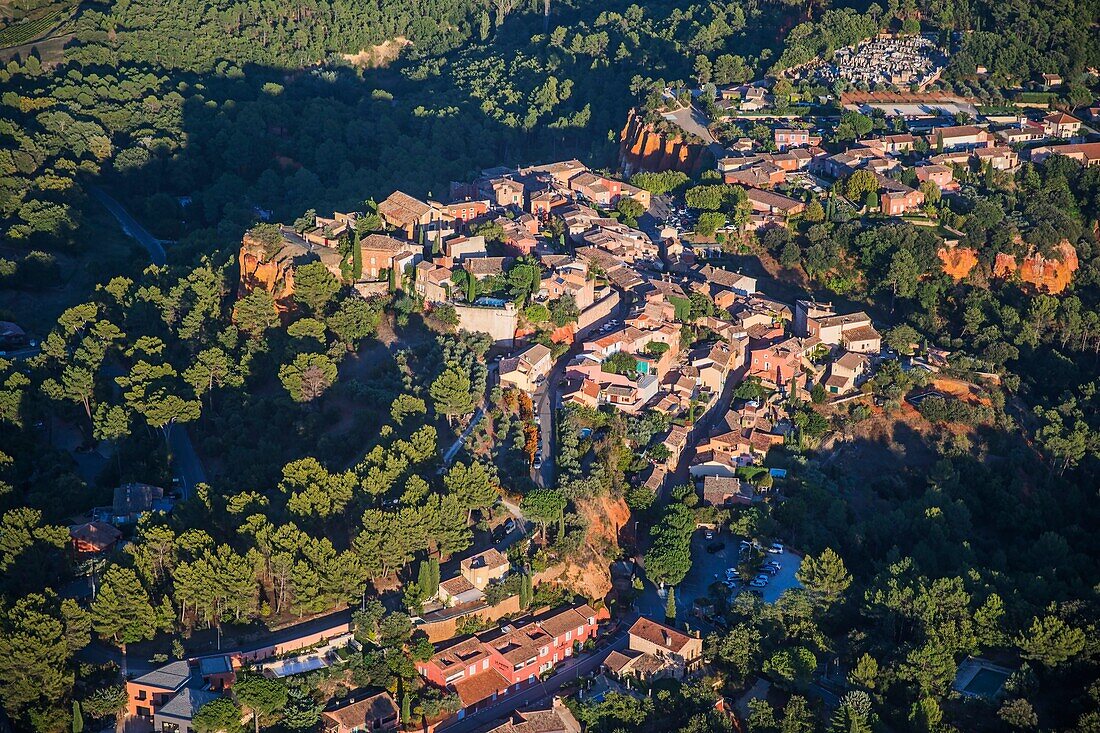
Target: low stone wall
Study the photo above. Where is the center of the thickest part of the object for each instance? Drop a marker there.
(499, 323)
(448, 628)
(596, 313)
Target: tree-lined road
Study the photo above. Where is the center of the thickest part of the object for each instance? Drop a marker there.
(130, 225)
(186, 467)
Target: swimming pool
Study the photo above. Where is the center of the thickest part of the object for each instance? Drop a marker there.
(986, 683)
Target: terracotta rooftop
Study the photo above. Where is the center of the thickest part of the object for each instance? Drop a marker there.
(460, 654)
(456, 585)
(359, 713)
(558, 621)
(659, 634)
(861, 333)
(491, 558)
(403, 208)
(98, 534)
(384, 243)
(472, 690)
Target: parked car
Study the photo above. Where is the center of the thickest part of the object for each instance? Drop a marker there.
(758, 583)
(537, 464)
(768, 570)
(774, 564)
(709, 534)
(776, 548)
(509, 524)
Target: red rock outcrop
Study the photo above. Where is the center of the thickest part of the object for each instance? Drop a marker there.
(587, 570)
(273, 272)
(642, 148)
(958, 261)
(1048, 275)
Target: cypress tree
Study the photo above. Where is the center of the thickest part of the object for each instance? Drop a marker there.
(424, 578)
(435, 576)
(78, 717)
(670, 604)
(356, 256)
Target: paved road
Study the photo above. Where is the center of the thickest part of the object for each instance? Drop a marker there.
(25, 352)
(452, 451)
(130, 225)
(186, 466)
(543, 691)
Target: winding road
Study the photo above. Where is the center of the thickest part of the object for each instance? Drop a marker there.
(186, 466)
(130, 225)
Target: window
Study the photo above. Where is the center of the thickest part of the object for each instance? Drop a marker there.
(568, 635)
(543, 651)
(473, 668)
(484, 665)
(580, 631)
(166, 727)
(141, 695)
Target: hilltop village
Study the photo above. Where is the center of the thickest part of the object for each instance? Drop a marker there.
(597, 294)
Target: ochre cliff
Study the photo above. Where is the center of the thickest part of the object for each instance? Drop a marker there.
(588, 571)
(642, 148)
(264, 271)
(1049, 275)
(958, 261)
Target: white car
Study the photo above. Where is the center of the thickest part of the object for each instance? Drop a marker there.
(758, 583)
(776, 549)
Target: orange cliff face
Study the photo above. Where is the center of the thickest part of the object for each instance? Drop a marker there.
(1050, 276)
(264, 271)
(644, 149)
(958, 261)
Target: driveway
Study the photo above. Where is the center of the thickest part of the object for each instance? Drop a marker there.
(452, 451)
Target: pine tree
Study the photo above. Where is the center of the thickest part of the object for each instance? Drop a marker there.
(122, 611)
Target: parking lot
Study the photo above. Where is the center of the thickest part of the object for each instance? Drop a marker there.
(708, 567)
